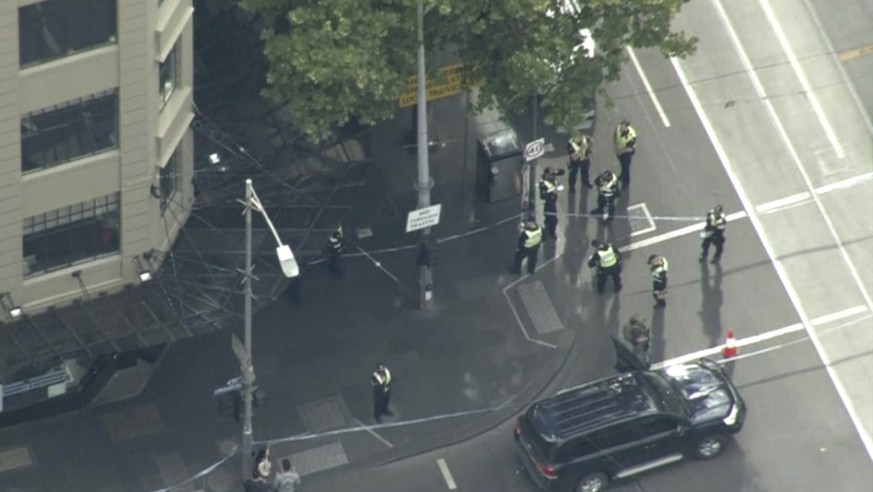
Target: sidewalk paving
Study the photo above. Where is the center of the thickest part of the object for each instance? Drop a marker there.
(314, 352)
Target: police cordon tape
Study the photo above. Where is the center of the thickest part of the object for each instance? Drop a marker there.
(516, 218)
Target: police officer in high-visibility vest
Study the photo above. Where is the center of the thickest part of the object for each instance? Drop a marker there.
(658, 266)
(529, 242)
(625, 146)
(549, 195)
(713, 233)
(607, 260)
(607, 192)
(381, 381)
(579, 150)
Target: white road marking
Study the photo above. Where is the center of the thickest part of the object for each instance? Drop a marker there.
(652, 95)
(447, 475)
(677, 233)
(845, 313)
(823, 34)
(782, 203)
(846, 183)
(795, 157)
(642, 206)
(777, 265)
(373, 433)
(742, 342)
(804, 82)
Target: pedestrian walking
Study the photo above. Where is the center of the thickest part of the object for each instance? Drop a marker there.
(637, 335)
(549, 194)
(625, 146)
(579, 149)
(607, 192)
(288, 479)
(607, 260)
(263, 465)
(381, 381)
(713, 233)
(528, 246)
(658, 266)
(334, 248)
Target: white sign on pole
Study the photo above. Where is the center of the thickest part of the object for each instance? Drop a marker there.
(423, 218)
(535, 149)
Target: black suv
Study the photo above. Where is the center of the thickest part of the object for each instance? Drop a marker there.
(583, 437)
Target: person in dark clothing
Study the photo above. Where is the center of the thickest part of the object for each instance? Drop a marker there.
(637, 334)
(579, 151)
(658, 266)
(607, 260)
(381, 381)
(549, 194)
(334, 249)
(607, 192)
(529, 242)
(713, 233)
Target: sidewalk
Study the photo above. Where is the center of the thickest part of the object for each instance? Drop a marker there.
(314, 353)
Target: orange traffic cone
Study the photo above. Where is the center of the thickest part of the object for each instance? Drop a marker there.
(730, 346)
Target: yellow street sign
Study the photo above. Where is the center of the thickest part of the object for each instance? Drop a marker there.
(449, 85)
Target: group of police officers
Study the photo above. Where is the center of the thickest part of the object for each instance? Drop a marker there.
(606, 258)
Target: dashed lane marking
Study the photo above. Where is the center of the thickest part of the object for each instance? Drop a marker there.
(447, 475)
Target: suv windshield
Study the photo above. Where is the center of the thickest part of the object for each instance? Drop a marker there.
(664, 393)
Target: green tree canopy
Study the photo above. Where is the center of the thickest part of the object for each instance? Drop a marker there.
(333, 60)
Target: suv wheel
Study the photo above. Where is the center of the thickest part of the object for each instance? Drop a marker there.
(594, 482)
(709, 446)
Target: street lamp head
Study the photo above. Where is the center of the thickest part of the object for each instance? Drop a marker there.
(287, 261)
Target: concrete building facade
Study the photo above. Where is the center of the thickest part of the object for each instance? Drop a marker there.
(96, 154)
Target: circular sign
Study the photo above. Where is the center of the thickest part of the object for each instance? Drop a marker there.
(535, 149)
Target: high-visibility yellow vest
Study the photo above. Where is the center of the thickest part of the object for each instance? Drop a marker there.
(533, 238)
(549, 187)
(622, 141)
(580, 146)
(716, 221)
(608, 258)
(607, 188)
(660, 270)
(384, 381)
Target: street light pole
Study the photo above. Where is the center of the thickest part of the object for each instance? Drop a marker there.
(290, 269)
(424, 184)
(248, 373)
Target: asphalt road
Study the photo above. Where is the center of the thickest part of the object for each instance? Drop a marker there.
(771, 119)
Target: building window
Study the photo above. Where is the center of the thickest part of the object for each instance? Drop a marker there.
(68, 131)
(168, 78)
(57, 28)
(80, 232)
(169, 181)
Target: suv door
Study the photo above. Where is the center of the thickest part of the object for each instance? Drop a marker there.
(608, 450)
(661, 436)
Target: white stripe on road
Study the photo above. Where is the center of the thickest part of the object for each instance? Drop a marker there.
(782, 203)
(845, 313)
(373, 433)
(655, 101)
(777, 264)
(642, 206)
(828, 318)
(804, 82)
(447, 475)
(846, 183)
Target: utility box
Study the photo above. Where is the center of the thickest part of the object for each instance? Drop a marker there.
(499, 154)
(499, 165)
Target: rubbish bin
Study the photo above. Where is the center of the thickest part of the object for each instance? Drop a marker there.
(499, 165)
